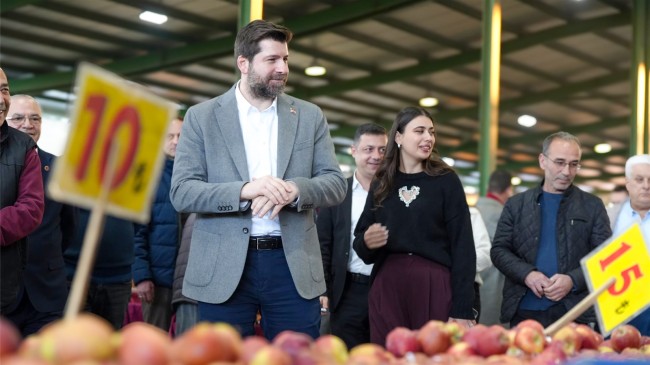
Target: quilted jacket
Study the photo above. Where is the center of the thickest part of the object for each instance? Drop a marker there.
(582, 225)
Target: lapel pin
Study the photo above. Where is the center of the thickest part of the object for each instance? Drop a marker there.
(46, 168)
(292, 110)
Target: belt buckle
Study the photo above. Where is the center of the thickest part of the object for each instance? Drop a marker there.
(268, 242)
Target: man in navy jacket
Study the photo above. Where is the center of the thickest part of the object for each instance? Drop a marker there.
(156, 244)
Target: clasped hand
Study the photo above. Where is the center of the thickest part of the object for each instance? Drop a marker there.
(269, 193)
(376, 236)
(554, 288)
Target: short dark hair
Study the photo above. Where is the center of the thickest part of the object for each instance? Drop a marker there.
(369, 128)
(500, 181)
(247, 43)
(565, 136)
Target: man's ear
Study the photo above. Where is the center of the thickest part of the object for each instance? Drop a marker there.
(242, 64)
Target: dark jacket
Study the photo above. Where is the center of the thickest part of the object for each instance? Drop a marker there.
(334, 227)
(114, 254)
(156, 244)
(582, 225)
(45, 279)
(181, 263)
(21, 201)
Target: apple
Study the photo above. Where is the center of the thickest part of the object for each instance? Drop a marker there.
(433, 338)
(625, 336)
(9, 337)
(530, 339)
(250, 346)
(85, 337)
(530, 323)
(402, 340)
(292, 342)
(455, 331)
(553, 354)
(370, 351)
(202, 344)
(569, 338)
(271, 355)
(332, 348)
(474, 335)
(460, 350)
(590, 338)
(495, 341)
(140, 343)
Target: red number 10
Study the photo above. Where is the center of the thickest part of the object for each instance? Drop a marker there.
(127, 116)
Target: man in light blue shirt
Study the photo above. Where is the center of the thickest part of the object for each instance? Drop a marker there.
(635, 210)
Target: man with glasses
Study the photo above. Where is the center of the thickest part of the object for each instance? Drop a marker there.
(44, 288)
(21, 200)
(542, 235)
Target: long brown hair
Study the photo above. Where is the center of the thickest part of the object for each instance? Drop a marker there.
(385, 176)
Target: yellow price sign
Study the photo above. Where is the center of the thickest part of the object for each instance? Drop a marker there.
(111, 112)
(626, 259)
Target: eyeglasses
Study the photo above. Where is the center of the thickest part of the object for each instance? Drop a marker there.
(20, 119)
(560, 164)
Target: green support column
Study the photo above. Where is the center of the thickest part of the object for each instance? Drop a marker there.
(489, 99)
(249, 10)
(639, 77)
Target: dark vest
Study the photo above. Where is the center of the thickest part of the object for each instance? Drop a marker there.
(14, 145)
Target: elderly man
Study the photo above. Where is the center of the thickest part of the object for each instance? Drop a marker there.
(542, 235)
(636, 210)
(21, 200)
(44, 290)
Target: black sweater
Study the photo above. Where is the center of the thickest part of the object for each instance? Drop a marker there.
(436, 226)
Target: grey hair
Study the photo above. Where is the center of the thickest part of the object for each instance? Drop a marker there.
(633, 161)
(559, 135)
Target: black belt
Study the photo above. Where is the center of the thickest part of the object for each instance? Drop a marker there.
(358, 278)
(265, 243)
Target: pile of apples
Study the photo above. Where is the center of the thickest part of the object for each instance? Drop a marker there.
(89, 340)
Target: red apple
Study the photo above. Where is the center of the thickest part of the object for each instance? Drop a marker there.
(569, 338)
(402, 340)
(530, 323)
(495, 342)
(553, 354)
(143, 344)
(367, 351)
(292, 342)
(9, 337)
(474, 335)
(250, 346)
(433, 338)
(530, 339)
(455, 331)
(203, 344)
(625, 336)
(590, 338)
(460, 350)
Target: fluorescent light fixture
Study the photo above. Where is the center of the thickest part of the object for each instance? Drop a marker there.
(151, 17)
(315, 70)
(602, 148)
(429, 102)
(450, 161)
(527, 120)
(515, 180)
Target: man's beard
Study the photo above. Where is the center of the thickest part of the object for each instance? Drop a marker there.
(262, 88)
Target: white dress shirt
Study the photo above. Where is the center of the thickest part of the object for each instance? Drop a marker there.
(627, 216)
(260, 132)
(359, 196)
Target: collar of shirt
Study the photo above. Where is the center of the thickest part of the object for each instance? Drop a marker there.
(244, 107)
(355, 183)
(628, 216)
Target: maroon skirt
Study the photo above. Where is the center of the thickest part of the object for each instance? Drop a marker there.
(407, 291)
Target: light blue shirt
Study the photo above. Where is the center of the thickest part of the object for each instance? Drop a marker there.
(627, 217)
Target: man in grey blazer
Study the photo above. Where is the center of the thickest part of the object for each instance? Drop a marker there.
(253, 164)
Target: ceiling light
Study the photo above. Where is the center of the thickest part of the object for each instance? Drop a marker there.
(429, 102)
(527, 120)
(315, 69)
(515, 180)
(602, 148)
(151, 17)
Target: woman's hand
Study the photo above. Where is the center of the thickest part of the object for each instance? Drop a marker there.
(467, 323)
(375, 236)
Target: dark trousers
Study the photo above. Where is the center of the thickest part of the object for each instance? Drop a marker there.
(159, 312)
(266, 285)
(477, 301)
(27, 319)
(350, 319)
(545, 317)
(109, 301)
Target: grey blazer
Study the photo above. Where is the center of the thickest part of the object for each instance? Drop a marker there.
(210, 170)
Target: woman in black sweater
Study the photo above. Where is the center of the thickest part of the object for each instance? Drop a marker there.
(416, 229)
